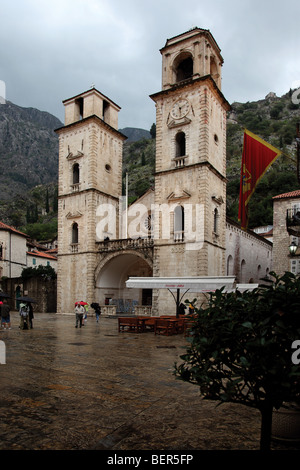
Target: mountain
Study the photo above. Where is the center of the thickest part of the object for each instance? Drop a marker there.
(274, 119)
(29, 159)
(28, 149)
(134, 134)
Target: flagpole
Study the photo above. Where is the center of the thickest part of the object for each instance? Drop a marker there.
(126, 208)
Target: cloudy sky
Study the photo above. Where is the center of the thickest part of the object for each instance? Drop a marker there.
(53, 50)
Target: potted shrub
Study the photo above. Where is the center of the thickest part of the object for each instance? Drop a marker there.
(241, 348)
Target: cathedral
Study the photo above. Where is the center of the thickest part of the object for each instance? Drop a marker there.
(178, 228)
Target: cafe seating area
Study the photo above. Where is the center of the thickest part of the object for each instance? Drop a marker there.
(164, 325)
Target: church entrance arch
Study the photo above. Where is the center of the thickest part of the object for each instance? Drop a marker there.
(110, 280)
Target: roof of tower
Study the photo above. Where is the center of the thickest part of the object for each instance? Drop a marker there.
(190, 33)
(87, 92)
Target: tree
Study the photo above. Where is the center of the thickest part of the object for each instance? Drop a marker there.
(44, 272)
(241, 348)
(47, 202)
(153, 131)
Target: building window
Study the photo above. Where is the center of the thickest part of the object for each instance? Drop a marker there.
(216, 219)
(33, 261)
(180, 144)
(179, 224)
(76, 173)
(79, 108)
(183, 67)
(229, 265)
(75, 233)
(295, 266)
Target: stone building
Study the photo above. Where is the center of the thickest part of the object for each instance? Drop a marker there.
(178, 228)
(12, 251)
(286, 232)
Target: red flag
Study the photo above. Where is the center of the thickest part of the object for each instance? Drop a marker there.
(257, 157)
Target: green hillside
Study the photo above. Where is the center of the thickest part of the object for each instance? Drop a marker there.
(29, 161)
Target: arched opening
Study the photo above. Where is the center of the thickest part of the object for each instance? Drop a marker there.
(110, 283)
(183, 67)
(75, 233)
(79, 108)
(76, 173)
(230, 266)
(180, 144)
(243, 271)
(179, 223)
(216, 219)
(213, 69)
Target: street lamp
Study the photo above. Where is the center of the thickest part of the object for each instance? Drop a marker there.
(292, 248)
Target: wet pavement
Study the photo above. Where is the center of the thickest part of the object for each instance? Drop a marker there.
(93, 388)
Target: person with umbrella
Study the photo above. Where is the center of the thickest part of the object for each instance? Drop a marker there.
(5, 315)
(79, 312)
(26, 312)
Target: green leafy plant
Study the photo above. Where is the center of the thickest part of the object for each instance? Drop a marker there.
(44, 272)
(240, 349)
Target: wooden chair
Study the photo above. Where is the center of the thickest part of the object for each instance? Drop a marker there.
(165, 327)
(188, 324)
(130, 324)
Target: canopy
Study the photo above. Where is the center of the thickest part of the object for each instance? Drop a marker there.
(193, 284)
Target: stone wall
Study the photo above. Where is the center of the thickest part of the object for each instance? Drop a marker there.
(42, 291)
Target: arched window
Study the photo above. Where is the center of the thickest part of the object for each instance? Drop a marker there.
(76, 173)
(243, 271)
(179, 223)
(216, 218)
(183, 67)
(75, 233)
(180, 144)
(229, 265)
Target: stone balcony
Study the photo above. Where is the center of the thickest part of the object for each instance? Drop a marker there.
(293, 222)
(140, 244)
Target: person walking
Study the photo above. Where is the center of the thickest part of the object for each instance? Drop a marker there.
(24, 317)
(97, 309)
(79, 312)
(5, 315)
(30, 314)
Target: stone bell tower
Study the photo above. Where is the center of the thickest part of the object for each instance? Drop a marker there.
(190, 177)
(90, 176)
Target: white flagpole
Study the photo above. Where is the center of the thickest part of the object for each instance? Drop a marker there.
(126, 209)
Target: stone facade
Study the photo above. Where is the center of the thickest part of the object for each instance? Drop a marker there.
(178, 228)
(190, 160)
(12, 251)
(248, 255)
(90, 177)
(286, 205)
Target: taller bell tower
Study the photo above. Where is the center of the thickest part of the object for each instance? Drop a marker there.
(190, 176)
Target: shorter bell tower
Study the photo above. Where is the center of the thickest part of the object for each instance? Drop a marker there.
(90, 177)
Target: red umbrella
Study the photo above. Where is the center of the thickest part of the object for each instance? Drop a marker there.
(83, 303)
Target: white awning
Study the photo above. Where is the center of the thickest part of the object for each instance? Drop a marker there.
(193, 284)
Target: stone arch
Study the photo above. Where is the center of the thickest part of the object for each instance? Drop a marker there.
(75, 174)
(112, 273)
(183, 66)
(230, 266)
(180, 141)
